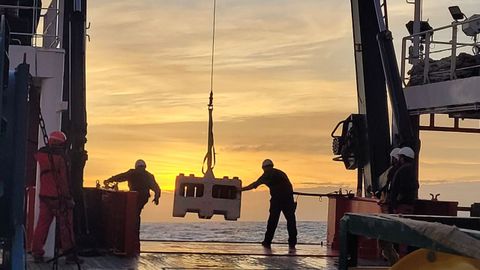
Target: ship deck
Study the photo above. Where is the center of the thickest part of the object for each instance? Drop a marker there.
(198, 255)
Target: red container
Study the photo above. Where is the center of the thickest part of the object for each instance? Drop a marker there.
(337, 207)
(436, 208)
(112, 217)
(368, 248)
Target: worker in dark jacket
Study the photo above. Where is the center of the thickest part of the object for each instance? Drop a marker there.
(281, 193)
(55, 199)
(385, 180)
(141, 181)
(401, 195)
(404, 187)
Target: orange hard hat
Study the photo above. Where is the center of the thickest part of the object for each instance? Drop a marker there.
(57, 137)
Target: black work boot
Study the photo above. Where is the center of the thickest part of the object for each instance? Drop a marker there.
(38, 259)
(266, 245)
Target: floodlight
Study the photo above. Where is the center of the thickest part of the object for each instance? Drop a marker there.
(456, 13)
(471, 28)
(424, 26)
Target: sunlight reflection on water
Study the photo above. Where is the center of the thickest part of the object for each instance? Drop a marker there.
(311, 232)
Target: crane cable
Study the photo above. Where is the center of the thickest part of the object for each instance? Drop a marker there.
(213, 44)
(210, 155)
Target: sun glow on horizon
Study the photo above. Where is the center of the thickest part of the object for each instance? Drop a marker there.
(284, 77)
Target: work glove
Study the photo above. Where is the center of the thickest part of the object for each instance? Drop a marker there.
(155, 201)
(106, 182)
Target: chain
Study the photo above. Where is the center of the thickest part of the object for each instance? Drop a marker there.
(61, 201)
(42, 127)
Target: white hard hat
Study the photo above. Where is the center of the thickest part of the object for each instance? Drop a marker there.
(140, 163)
(407, 151)
(267, 162)
(394, 152)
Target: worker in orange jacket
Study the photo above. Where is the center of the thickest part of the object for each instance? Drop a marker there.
(55, 199)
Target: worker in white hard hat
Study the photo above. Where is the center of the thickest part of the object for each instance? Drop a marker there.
(281, 192)
(385, 180)
(386, 177)
(141, 181)
(401, 195)
(404, 187)
(394, 155)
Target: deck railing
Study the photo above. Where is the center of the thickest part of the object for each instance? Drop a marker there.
(45, 29)
(441, 42)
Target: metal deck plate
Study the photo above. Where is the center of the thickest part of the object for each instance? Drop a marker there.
(195, 255)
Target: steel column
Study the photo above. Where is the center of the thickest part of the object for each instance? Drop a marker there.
(74, 123)
(371, 92)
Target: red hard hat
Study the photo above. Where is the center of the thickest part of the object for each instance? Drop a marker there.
(57, 137)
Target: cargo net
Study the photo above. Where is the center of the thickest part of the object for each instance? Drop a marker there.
(467, 65)
(442, 54)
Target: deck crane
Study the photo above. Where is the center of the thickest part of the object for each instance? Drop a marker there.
(365, 140)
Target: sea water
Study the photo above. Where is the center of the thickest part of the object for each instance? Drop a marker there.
(309, 232)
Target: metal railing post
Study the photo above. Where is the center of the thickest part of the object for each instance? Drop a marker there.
(37, 15)
(453, 57)
(402, 67)
(453, 46)
(426, 59)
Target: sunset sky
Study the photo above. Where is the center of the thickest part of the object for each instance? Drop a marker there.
(284, 76)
